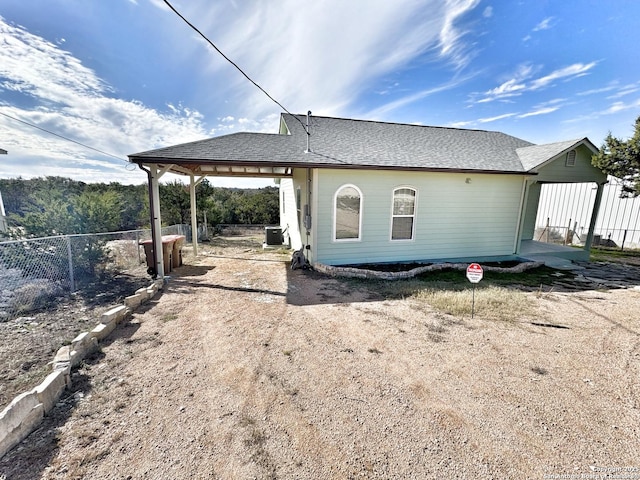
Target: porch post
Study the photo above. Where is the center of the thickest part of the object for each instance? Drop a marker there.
(194, 217)
(157, 223)
(594, 217)
(524, 197)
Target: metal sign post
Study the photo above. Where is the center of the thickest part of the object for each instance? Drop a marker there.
(474, 274)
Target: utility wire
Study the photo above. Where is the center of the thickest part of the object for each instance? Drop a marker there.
(233, 63)
(63, 137)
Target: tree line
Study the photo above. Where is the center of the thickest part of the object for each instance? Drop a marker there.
(47, 206)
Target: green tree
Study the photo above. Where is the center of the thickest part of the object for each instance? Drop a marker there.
(175, 203)
(621, 159)
(96, 212)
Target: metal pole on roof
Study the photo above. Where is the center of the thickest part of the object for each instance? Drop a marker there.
(308, 133)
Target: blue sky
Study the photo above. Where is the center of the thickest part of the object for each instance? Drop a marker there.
(125, 76)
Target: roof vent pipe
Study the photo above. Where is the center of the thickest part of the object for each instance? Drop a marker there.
(308, 133)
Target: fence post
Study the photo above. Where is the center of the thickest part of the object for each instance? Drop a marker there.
(547, 229)
(138, 246)
(624, 238)
(72, 282)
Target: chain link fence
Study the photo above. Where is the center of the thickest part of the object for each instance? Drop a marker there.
(36, 271)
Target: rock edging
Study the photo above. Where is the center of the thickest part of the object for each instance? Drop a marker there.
(351, 272)
(27, 410)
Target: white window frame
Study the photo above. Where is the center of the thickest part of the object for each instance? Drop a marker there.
(335, 213)
(413, 216)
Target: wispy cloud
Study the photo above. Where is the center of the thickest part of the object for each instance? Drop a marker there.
(522, 82)
(340, 49)
(545, 24)
(595, 91)
(381, 111)
(496, 118)
(617, 107)
(539, 111)
(569, 72)
(624, 91)
(451, 35)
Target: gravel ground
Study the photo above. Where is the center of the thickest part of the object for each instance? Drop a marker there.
(244, 369)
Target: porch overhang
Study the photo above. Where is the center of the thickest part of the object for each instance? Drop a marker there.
(209, 169)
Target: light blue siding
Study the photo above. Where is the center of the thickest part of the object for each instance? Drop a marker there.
(457, 215)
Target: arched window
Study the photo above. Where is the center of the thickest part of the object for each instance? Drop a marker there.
(404, 208)
(347, 213)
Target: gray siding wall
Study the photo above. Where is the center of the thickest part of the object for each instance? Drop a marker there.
(453, 218)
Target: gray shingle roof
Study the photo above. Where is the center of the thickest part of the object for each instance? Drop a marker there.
(364, 144)
(536, 155)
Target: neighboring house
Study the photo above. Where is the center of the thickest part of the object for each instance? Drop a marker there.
(355, 191)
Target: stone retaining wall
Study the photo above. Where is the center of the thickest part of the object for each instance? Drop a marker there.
(26, 411)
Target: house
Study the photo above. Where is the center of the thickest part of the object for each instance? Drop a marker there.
(357, 191)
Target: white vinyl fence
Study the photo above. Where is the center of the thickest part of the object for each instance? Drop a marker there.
(565, 209)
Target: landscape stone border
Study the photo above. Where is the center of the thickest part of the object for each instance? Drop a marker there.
(354, 272)
(27, 410)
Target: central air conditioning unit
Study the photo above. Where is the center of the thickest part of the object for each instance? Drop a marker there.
(273, 236)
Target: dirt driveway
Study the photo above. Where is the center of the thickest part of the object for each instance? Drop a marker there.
(244, 369)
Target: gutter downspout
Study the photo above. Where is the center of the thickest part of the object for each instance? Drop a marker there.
(156, 227)
(307, 208)
(154, 234)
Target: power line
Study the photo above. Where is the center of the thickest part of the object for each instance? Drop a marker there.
(63, 137)
(232, 62)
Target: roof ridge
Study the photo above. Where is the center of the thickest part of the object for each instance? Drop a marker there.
(383, 122)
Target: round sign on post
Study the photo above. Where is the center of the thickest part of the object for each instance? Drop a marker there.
(474, 273)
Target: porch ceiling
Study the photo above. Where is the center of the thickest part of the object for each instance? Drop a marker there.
(231, 169)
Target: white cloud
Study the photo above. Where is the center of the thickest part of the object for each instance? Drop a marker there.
(539, 111)
(460, 124)
(487, 12)
(544, 24)
(571, 71)
(521, 82)
(594, 91)
(74, 102)
(624, 91)
(450, 35)
(496, 118)
(617, 107)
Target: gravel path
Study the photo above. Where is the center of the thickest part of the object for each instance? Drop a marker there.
(243, 369)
